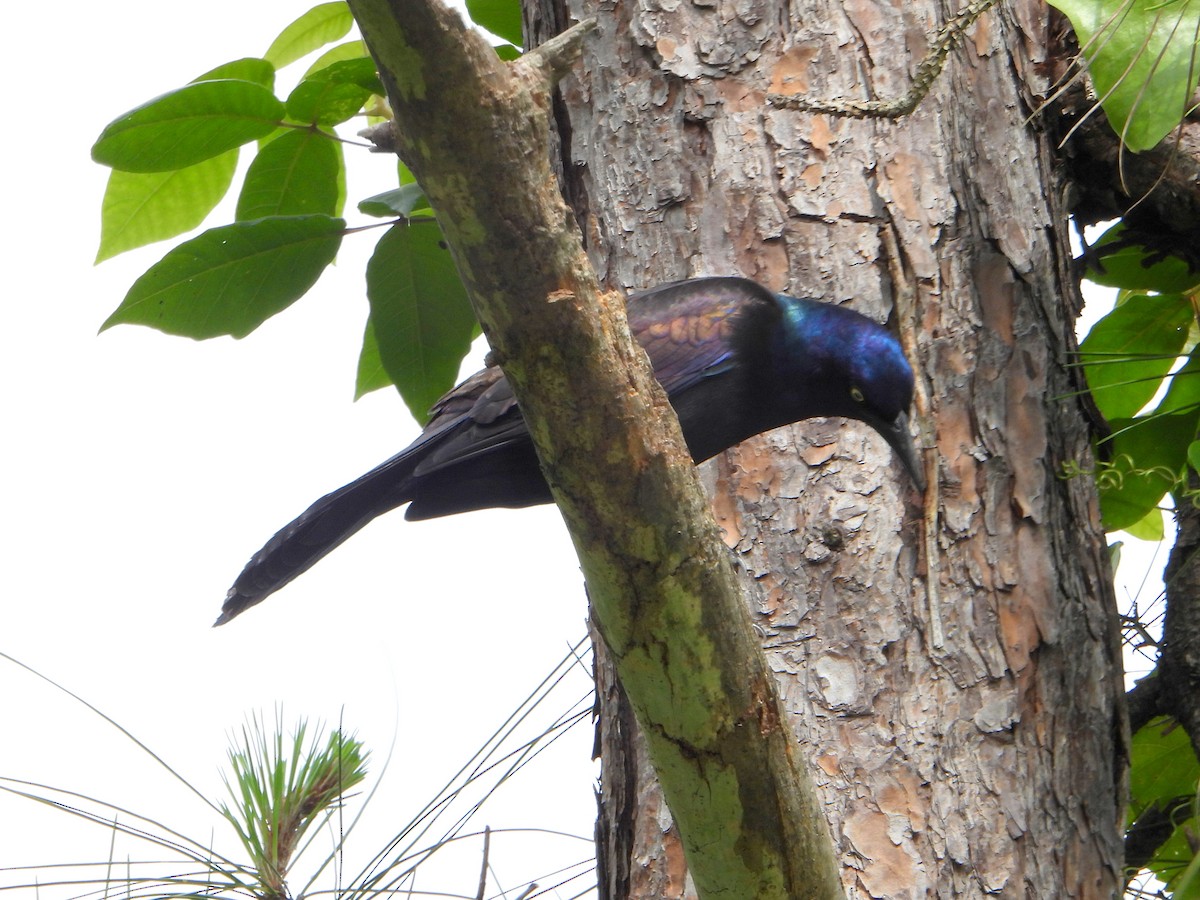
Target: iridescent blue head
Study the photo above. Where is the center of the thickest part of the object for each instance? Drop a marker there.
(833, 361)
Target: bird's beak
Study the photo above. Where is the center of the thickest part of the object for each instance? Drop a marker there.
(896, 434)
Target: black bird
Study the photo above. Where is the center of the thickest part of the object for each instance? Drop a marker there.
(735, 359)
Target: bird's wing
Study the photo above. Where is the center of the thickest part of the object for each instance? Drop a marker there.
(477, 417)
(688, 327)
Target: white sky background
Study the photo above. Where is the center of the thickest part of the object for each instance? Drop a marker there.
(142, 470)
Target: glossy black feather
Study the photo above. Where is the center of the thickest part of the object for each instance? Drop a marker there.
(735, 360)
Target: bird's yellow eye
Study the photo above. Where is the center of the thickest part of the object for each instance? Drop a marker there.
(857, 395)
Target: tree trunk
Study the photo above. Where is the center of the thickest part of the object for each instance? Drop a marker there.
(952, 668)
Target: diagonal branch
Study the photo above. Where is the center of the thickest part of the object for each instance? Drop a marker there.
(475, 133)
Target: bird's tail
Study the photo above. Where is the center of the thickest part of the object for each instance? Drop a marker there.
(318, 530)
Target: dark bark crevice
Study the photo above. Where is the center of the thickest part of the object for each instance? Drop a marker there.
(1179, 661)
(1144, 701)
(1157, 191)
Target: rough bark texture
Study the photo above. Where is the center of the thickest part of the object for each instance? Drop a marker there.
(952, 673)
(1179, 665)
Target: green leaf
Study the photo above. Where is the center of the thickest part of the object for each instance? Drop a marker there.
(195, 123)
(1164, 773)
(1149, 527)
(141, 208)
(335, 93)
(230, 280)
(251, 68)
(325, 103)
(1123, 507)
(501, 17)
(1130, 350)
(359, 71)
(1150, 452)
(1163, 765)
(294, 175)
(422, 319)
(1187, 885)
(340, 53)
(1142, 59)
(1193, 455)
(371, 374)
(399, 201)
(1131, 267)
(1114, 554)
(321, 25)
(1183, 396)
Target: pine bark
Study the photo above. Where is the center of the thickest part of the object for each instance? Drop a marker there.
(951, 668)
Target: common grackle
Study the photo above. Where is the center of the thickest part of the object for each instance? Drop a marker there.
(735, 360)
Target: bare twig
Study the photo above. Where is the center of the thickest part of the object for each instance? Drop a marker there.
(483, 866)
